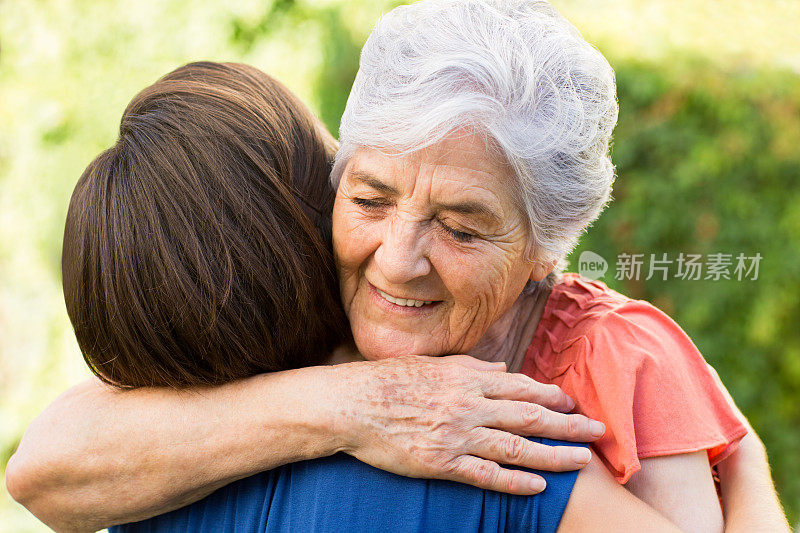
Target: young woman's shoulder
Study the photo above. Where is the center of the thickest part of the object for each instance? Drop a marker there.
(629, 365)
(598, 502)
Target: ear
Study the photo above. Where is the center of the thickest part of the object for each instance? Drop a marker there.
(541, 269)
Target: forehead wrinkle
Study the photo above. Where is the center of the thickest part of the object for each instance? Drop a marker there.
(367, 178)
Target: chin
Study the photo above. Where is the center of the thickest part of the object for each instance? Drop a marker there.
(375, 346)
(374, 350)
(380, 357)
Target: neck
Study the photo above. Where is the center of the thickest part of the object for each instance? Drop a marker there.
(344, 353)
(508, 338)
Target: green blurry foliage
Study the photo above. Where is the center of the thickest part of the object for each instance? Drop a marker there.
(339, 53)
(341, 40)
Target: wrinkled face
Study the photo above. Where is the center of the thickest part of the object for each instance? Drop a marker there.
(429, 246)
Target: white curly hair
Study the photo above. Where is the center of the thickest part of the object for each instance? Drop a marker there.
(516, 71)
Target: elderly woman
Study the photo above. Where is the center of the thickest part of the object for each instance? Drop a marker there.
(474, 153)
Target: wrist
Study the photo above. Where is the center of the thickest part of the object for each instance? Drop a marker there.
(334, 416)
(313, 409)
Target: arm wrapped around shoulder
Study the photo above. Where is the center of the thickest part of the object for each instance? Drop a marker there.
(634, 368)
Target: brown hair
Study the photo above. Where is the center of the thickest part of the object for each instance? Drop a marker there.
(197, 249)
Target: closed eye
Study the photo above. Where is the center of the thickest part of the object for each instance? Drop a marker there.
(459, 235)
(375, 205)
(370, 205)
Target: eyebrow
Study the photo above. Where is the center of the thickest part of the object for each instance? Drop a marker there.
(368, 179)
(469, 208)
(464, 208)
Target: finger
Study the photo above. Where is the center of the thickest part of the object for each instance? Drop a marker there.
(505, 448)
(473, 363)
(525, 418)
(504, 386)
(489, 475)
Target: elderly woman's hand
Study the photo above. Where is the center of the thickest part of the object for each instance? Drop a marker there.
(455, 418)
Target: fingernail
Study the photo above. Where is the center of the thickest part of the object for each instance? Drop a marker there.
(538, 484)
(597, 429)
(581, 455)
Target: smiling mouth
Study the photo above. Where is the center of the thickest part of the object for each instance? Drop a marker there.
(405, 302)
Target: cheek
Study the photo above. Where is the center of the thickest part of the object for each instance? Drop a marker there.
(354, 238)
(484, 280)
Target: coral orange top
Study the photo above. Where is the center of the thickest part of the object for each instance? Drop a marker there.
(629, 365)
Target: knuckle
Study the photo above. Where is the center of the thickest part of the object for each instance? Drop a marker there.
(442, 463)
(466, 401)
(532, 416)
(514, 449)
(574, 425)
(553, 458)
(457, 406)
(451, 471)
(525, 383)
(453, 374)
(430, 402)
(483, 474)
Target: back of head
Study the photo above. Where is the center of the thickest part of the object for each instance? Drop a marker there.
(197, 248)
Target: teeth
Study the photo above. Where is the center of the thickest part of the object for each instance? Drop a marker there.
(405, 302)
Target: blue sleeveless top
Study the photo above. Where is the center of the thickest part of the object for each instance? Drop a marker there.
(340, 493)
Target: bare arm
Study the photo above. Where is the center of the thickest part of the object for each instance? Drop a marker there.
(681, 488)
(598, 503)
(99, 456)
(748, 494)
(749, 499)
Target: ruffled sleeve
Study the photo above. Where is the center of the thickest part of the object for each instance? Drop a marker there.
(630, 366)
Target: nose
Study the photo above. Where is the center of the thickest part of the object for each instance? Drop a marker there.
(402, 254)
